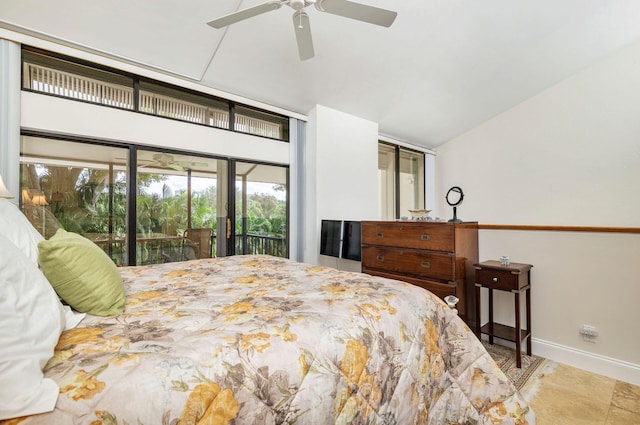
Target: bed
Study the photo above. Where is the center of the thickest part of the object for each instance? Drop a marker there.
(232, 340)
(265, 340)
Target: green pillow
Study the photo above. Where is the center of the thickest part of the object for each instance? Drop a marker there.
(82, 274)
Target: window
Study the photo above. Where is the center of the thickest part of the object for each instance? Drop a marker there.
(253, 121)
(144, 206)
(401, 175)
(170, 102)
(411, 181)
(51, 74)
(59, 77)
(387, 181)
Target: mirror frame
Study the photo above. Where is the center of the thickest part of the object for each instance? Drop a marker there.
(455, 189)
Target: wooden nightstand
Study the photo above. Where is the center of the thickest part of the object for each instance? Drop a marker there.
(515, 278)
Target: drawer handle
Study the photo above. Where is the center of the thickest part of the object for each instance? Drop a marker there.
(426, 264)
(425, 237)
(495, 279)
(379, 235)
(380, 258)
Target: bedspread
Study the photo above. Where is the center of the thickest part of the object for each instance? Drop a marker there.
(265, 340)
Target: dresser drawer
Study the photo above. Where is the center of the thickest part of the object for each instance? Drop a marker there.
(418, 235)
(425, 264)
(440, 289)
(497, 279)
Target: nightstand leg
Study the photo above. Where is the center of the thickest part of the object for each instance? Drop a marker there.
(490, 316)
(478, 323)
(518, 334)
(528, 307)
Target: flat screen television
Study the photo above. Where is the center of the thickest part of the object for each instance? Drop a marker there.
(352, 240)
(330, 236)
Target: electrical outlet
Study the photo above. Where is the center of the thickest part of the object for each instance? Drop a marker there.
(589, 333)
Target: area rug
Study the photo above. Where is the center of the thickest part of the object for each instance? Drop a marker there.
(526, 378)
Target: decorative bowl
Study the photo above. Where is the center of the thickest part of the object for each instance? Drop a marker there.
(419, 213)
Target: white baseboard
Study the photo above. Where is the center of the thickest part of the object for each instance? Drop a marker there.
(607, 366)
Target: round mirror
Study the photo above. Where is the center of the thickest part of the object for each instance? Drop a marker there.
(454, 198)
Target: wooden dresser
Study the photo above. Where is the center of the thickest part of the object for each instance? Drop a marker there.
(438, 256)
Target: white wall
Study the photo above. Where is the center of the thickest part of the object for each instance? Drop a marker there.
(569, 156)
(65, 116)
(341, 169)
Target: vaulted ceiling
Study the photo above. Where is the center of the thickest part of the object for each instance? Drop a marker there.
(443, 67)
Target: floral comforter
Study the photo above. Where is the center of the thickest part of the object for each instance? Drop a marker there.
(265, 340)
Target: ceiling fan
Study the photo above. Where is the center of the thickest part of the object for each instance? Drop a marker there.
(164, 160)
(346, 8)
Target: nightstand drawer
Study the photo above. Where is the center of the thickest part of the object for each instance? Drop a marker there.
(427, 264)
(497, 279)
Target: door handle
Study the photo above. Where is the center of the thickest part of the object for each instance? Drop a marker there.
(228, 228)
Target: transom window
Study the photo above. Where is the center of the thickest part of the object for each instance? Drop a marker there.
(65, 77)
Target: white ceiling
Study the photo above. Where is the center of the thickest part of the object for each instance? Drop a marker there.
(442, 68)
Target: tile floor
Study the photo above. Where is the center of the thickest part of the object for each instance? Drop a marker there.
(571, 396)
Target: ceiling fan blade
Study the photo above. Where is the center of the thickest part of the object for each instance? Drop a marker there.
(176, 166)
(240, 15)
(189, 164)
(302, 27)
(357, 11)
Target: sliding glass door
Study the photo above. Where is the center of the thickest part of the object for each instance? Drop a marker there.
(144, 206)
(261, 193)
(178, 204)
(79, 187)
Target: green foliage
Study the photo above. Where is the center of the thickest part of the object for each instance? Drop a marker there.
(84, 207)
(266, 215)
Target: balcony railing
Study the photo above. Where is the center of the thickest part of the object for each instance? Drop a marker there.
(165, 249)
(256, 244)
(153, 250)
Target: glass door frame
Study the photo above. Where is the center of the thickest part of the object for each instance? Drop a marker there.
(232, 210)
(132, 189)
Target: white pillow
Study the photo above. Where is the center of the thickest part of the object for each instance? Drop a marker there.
(31, 318)
(17, 228)
(72, 318)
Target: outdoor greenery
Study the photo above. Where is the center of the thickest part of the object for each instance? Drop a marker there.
(79, 202)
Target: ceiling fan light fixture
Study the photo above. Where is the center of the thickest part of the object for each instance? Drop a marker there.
(297, 4)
